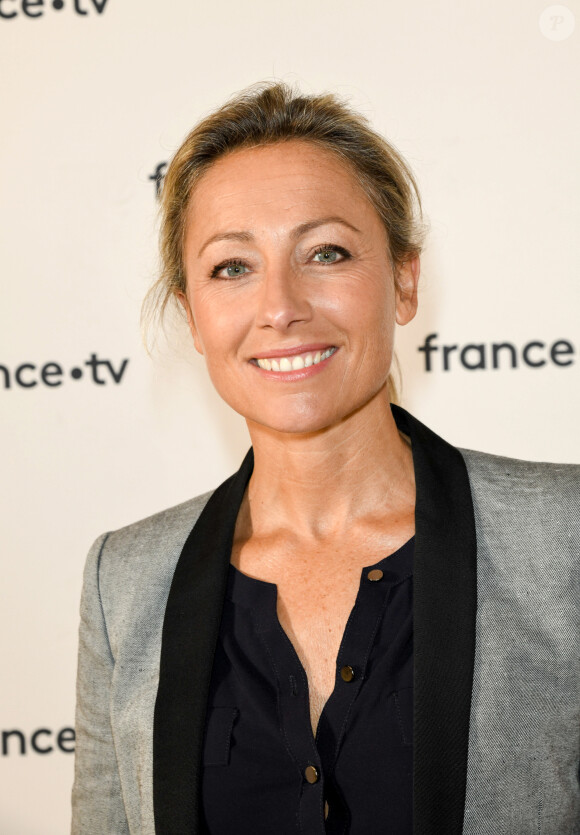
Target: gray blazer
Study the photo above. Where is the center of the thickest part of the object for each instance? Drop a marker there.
(496, 677)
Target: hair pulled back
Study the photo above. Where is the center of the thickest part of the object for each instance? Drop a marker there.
(265, 114)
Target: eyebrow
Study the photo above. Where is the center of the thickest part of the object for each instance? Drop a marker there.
(297, 232)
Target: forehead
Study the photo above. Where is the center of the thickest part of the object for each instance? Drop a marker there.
(277, 183)
(289, 156)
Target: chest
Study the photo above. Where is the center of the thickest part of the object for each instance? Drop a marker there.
(313, 610)
(277, 711)
(316, 593)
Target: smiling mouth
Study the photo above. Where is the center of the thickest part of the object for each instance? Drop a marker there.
(297, 362)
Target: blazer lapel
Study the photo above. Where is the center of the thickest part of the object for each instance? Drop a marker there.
(444, 628)
(190, 633)
(444, 612)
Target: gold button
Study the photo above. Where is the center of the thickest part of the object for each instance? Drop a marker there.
(325, 809)
(347, 673)
(375, 574)
(311, 774)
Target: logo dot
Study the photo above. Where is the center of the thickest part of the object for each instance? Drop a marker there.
(58, 5)
(76, 373)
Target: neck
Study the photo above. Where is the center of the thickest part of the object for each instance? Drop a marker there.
(321, 483)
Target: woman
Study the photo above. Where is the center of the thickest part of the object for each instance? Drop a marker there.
(364, 630)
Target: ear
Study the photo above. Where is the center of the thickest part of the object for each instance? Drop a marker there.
(407, 283)
(190, 320)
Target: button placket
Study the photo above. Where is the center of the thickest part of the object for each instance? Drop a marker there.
(359, 634)
(294, 713)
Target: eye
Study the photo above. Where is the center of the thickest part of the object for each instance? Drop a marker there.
(330, 254)
(229, 269)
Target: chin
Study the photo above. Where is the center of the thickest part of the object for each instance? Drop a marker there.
(303, 414)
(302, 422)
(291, 421)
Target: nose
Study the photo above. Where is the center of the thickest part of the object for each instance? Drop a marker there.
(283, 299)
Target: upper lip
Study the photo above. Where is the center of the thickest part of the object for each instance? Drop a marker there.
(293, 351)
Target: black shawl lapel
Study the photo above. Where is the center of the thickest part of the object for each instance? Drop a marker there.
(444, 626)
(444, 610)
(190, 633)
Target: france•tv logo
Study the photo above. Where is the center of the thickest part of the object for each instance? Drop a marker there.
(10, 9)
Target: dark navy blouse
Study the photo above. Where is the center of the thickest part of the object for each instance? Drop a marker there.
(263, 771)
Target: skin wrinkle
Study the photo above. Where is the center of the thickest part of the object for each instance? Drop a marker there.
(248, 235)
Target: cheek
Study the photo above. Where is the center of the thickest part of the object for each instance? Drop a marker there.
(218, 322)
(372, 323)
(364, 308)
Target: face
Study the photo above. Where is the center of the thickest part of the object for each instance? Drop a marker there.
(290, 294)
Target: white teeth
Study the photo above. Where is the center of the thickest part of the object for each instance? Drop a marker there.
(295, 363)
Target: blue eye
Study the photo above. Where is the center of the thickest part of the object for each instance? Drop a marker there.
(330, 254)
(326, 256)
(232, 269)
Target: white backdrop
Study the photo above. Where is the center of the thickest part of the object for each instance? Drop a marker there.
(481, 99)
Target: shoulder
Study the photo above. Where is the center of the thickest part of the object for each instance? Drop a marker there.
(167, 528)
(527, 515)
(519, 479)
(519, 493)
(134, 565)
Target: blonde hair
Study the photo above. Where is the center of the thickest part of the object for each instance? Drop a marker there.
(268, 113)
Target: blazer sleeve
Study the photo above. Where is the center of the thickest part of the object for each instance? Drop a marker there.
(97, 801)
